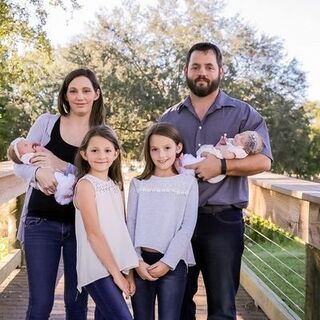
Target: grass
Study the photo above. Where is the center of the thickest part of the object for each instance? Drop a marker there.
(278, 258)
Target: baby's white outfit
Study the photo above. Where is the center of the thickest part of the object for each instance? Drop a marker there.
(190, 159)
(111, 215)
(64, 191)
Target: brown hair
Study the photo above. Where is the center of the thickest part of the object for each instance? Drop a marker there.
(205, 46)
(162, 129)
(83, 166)
(11, 154)
(98, 113)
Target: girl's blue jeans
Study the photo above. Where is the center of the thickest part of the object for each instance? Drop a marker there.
(169, 290)
(44, 242)
(110, 304)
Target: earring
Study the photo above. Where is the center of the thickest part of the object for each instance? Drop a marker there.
(65, 109)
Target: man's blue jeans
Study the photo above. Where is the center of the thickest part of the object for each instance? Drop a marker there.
(110, 304)
(218, 246)
(169, 291)
(44, 241)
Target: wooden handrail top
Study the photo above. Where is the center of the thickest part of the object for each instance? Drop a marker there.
(10, 185)
(6, 168)
(297, 188)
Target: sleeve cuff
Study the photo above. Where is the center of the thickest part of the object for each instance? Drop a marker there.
(70, 169)
(171, 264)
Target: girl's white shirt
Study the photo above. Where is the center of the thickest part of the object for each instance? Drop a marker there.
(110, 210)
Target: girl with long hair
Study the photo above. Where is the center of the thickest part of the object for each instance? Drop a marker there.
(104, 248)
(162, 213)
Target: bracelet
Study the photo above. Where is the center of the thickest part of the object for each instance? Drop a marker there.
(223, 166)
(35, 174)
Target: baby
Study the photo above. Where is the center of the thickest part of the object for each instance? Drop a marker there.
(21, 151)
(247, 142)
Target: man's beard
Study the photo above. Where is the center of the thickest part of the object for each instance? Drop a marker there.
(203, 91)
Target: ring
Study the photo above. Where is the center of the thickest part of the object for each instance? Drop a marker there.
(199, 175)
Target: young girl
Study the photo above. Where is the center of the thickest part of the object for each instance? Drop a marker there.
(104, 248)
(162, 213)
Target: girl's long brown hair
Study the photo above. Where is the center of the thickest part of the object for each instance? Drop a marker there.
(104, 131)
(165, 129)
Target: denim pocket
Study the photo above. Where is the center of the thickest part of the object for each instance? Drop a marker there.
(32, 222)
(234, 216)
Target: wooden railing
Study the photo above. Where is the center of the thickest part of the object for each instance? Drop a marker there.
(292, 204)
(12, 191)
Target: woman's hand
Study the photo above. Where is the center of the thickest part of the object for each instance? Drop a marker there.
(46, 180)
(143, 272)
(44, 158)
(158, 269)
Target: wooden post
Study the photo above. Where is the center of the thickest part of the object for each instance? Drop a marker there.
(20, 202)
(312, 299)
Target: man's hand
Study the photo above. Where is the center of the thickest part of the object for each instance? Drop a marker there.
(208, 168)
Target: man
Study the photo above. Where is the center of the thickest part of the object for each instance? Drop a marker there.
(202, 118)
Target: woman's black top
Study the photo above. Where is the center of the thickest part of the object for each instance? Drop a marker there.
(46, 207)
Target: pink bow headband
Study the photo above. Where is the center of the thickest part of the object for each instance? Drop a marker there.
(14, 143)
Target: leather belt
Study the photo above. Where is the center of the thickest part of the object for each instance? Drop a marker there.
(214, 209)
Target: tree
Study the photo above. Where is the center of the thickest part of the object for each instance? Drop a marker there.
(22, 43)
(312, 109)
(139, 55)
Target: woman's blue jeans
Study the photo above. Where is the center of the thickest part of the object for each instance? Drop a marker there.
(44, 242)
(110, 304)
(168, 289)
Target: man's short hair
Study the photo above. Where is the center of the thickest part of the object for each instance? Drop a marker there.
(205, 46)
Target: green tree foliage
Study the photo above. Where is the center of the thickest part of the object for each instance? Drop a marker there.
(25, 55)
(139, 55)
(313, 164)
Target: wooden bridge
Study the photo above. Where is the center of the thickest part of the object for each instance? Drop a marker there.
(292, 204)
(14, 300)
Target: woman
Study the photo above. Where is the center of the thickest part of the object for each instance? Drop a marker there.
(47, 228)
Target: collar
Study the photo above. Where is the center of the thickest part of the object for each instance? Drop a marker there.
(222, 100)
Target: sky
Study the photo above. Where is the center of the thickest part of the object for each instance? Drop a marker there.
(296, 22)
